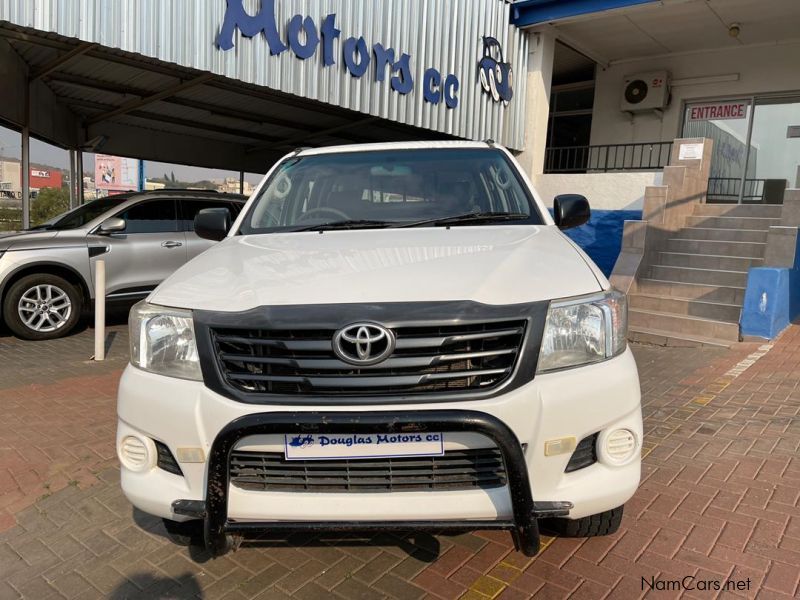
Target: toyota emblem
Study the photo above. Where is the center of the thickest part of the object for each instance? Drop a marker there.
(363, 344)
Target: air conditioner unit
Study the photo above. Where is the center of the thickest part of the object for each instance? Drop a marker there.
(645, 91)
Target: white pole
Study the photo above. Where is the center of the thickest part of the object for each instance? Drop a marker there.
(99, 310)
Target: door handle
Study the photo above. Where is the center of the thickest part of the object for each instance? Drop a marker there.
(171, 244)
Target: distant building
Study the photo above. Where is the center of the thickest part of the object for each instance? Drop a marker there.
(154, 185)
(230, 185)
(45, 177)
(41, 176)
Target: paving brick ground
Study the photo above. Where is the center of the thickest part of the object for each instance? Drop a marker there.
(719, 499)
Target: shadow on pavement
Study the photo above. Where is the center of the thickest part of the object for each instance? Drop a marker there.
(145, 585)
(423, 546)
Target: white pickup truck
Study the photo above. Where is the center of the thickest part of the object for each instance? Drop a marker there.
(389, 336)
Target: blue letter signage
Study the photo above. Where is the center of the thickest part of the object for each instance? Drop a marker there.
(304, 39)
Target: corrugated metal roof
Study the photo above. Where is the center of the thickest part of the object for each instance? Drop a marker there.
(445, 34)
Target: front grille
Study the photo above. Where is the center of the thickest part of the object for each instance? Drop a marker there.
(455, 470)
(439, 358)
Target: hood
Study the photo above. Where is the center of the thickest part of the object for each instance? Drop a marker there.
(487, 264)
(36, 238)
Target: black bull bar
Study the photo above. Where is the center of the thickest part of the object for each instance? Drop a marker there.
(214, 510)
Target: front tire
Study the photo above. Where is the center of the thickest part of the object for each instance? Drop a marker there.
(604, 523)
(42, 307)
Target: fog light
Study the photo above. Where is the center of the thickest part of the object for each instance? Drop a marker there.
(620, 445)
(135, 453)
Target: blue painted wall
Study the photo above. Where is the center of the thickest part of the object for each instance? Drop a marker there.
(601, 237)
(772, 299)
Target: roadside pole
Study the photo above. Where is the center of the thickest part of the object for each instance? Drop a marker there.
(100, 310)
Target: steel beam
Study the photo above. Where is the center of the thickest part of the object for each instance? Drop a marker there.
(57, 62)
(140, 114)
(107, 86)
(292, 142)
(139, 103)
(26, 158)
(73, 195)
(79, 170)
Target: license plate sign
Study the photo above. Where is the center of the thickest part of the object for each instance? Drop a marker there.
(320, 446)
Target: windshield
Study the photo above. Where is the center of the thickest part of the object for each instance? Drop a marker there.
(77, 217)
(391, 188)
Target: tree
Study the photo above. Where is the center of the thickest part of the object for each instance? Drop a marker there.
(49, 203)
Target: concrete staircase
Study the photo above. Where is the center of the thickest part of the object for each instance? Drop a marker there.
(692, 292)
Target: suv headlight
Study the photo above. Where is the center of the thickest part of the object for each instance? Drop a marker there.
(584, 330)
(162, 341)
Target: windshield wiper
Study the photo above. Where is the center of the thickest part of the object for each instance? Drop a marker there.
(346, 224)
(473, 217)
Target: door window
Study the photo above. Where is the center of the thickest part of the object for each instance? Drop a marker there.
(774, 161)
(190, 208)
(154, 216)
(727, 123)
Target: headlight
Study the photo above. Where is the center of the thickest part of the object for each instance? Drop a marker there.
(162, 341)
(584, 330)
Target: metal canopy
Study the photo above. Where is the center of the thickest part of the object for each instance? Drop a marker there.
(131, 105)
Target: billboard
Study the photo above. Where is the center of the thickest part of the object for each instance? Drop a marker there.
(115, 173)
(45, 177)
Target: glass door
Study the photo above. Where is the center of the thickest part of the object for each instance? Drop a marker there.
(774, 158)
(727, 122)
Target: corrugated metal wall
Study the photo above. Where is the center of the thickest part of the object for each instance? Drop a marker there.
(443, 34)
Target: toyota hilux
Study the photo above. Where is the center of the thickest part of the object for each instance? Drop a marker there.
(388, 337)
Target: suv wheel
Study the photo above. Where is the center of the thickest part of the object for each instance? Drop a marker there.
(42, 307)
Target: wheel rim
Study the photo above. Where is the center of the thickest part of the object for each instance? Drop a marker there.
(44, 308)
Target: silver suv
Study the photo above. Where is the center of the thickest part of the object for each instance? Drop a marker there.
(47, 273)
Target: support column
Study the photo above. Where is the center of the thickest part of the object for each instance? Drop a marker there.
(26, 159)
(537, 102)
(79, 169)
(73, 180)
(241, 182)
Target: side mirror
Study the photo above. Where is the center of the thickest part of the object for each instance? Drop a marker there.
(212, 223)
(571, 210)
(112, 225)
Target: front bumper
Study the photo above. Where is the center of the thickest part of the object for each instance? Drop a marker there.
(577, 403)
(522, 524)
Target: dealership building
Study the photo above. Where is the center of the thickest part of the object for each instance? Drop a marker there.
(591, 95)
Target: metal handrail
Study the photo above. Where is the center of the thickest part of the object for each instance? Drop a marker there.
(642, 156)
(728, 188)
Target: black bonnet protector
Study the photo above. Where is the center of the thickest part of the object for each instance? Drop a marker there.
(306, 320)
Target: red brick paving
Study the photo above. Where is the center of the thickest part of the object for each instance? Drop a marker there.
(54, 435)
(719, 499)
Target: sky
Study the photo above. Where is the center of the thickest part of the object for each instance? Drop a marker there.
(43, 153)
